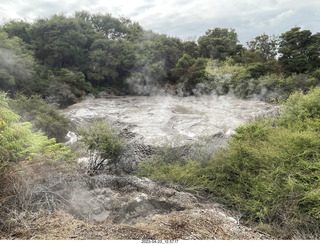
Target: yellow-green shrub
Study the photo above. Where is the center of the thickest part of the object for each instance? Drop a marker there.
(19, 141)
(43, 116)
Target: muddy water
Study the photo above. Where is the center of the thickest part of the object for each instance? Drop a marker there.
(159, 120)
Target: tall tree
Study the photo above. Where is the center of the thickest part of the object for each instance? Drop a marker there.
(190, 71)
(110, 61)
(18, 28)
(110, 27)
(191, 48)
(265, 45)
(260, 57)
(156, 56)
(300, 50)
(219, 43)
(61, 42)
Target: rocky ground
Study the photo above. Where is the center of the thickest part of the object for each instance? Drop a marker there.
(109, 207)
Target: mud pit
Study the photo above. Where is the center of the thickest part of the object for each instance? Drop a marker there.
(158, 120)
(148, 122)
(168, 121)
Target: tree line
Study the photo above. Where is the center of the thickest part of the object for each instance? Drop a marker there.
(88, 53)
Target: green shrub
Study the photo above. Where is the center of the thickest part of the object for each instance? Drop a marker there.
(103, 142)
(75, 80)
(18, 141)
(300, 106)
(43, 116)
(225, 77)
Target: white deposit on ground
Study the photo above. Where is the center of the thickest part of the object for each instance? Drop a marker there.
(167, 119)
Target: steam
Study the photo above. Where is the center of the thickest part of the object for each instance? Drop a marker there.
(13, 69)
(145, 80)
(228, 79)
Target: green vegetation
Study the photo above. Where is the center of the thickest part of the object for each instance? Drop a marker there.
(27, 156)
(43, 116)
(103, 142)
(19, 142)
(269, 171)
(67, 57)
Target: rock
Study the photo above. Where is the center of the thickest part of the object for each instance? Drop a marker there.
(123, 199)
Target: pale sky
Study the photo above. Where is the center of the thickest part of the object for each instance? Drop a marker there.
(186, 19)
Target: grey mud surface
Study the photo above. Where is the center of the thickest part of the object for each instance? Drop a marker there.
(159, 120)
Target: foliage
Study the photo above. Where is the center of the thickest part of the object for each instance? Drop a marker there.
(190, 71)
(178, 174)
(61, 42)
(26, 156)
(249, 81)
(90, 52)
(75, 80)
(219, 43)
(300, 107)
(299, 50)
(18, 141)
(16, 66)
(17, 28)
(227, 77)
(43, 116)
(264, 46)
(103, 142)
(155, 57)
(110, 61)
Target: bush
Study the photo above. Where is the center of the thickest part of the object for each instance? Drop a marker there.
(226, 77)
(266, 173)
(250, 81)
(18, 141)
(301, 107)
(43, 116)
(75, 80)
(26, 157)
(103, 142)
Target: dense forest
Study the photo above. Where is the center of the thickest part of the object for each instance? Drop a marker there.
(269, 171)
(63, 58)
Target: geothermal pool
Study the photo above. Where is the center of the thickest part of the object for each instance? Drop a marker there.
(159, 120)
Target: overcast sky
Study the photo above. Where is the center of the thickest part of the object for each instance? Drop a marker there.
(187, 19)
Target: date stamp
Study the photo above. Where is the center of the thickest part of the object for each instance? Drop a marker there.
(159, 241)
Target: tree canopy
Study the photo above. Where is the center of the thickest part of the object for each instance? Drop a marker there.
(87, 53)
